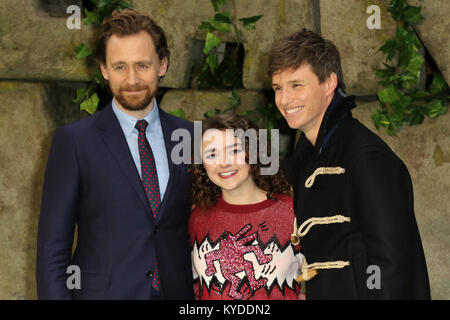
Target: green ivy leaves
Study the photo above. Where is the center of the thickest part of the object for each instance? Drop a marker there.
(218, 4)
(211, 42)
(225, 74)
(82, 51)
(400, 98)
(249, 23)
(402, 11)
(220, 22)
(178, 113)
(215, 72)
(211, 58)
(103, 8)
(90, 104)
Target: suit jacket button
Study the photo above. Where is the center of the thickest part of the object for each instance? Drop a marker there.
(149, 273)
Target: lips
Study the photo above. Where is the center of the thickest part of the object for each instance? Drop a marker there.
(294, 110)
(132, 92)
(228, 174)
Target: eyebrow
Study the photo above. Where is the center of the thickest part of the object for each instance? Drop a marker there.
(209, 150)
(137, 62)
(291, 81)
(233, 145)
(227, 147)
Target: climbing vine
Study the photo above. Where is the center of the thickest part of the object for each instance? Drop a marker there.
(226, 74)
(402, 99)
(218, 70)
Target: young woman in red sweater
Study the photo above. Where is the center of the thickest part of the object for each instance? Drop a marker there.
(242, 220)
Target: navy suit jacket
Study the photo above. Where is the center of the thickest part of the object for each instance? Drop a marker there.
(91, 182)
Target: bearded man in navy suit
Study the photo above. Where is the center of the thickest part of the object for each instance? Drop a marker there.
(128, 247)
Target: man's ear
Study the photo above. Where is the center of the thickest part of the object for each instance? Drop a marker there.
(332, 83)
(163, 67)
(104, 71)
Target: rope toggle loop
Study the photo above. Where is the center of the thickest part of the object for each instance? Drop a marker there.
(322, 170)
(308, 224)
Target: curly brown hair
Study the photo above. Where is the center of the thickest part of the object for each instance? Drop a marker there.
(205, 193)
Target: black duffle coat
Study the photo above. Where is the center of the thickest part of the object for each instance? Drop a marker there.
(352, 174)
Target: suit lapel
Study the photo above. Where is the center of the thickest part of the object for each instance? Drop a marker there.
(174, 170)
(114, 139)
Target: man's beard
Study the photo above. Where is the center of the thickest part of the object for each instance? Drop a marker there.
(135, 103)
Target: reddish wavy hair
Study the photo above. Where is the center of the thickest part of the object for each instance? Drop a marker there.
(205, 193)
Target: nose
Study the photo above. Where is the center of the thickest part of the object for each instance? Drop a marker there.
(284, 97)
(223, 164)
(132, 76)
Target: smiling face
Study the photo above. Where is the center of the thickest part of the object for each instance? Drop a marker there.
(302, 99)
(133, 69)
(223, 158)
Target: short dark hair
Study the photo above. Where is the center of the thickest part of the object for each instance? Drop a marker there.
(307, 47)
(205, 193)
(129, 22)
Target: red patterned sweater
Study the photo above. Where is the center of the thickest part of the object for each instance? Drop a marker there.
(244, 251)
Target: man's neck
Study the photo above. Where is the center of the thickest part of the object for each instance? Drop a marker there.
(138, 114)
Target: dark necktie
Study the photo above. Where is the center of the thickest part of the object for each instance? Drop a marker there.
(148, 169)
(149, 180)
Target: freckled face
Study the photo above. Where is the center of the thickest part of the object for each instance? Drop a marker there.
(133, 69)
(223, 158)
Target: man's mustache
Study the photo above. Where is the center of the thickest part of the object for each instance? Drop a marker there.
(133, 88)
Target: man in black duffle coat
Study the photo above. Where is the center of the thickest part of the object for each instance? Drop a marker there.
(353, 196)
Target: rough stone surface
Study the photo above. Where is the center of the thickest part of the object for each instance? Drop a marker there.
(35, 45)
(26, 126)
(425, 149)
(280, 18)
(39, 45)
(195, 103)
(434, 32)
(344, 23)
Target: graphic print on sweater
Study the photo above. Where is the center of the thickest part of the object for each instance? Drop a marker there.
(231, 259)
(243, 261)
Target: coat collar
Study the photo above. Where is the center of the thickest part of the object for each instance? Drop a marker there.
(339, 108)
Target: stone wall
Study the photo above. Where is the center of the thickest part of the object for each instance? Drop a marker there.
(29, 114)
(39, 74)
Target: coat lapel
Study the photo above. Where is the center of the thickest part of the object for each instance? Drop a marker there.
(174, 170)
(114, 139)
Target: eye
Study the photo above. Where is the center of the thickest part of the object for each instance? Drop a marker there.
(210, 156)
(297, 85)
(119, 68)
(142, 67)
(276, 89)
